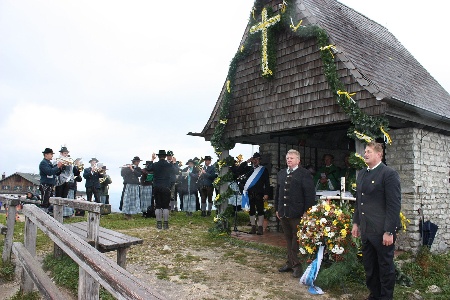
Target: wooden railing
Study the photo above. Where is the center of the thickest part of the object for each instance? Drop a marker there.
(116, 280)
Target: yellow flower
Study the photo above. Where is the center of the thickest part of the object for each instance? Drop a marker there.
(343, 233)
(217, 197)
(335, 222)
(327, 207)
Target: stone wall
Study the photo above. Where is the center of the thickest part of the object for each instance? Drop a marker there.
(422, 159)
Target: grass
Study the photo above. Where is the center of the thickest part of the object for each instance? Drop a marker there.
(183, 253)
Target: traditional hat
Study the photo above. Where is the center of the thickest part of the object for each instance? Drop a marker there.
(63, 149)
(190, 160)
(147, 162)
(104, 168)
(169, 153)
(207, 157)
(93, 159)
(162, 153)
(48, 150)
(256, 155)
(136, 158)
(196, 159)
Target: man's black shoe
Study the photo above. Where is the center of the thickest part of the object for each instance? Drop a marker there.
(285, 268)
(297, 272)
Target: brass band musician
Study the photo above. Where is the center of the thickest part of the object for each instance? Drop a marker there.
(92, 176)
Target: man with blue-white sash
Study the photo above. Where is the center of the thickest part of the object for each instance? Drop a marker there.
(256, 190)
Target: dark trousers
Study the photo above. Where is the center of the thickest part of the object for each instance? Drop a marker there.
(290, 234)
(46, 193)
(378, 263)
(62, 190)
(92, 191)
(162, 197)
(206, 192)
(256, 203)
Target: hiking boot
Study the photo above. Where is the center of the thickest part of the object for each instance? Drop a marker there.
(253, 231)
(297, 271)
(208, 213)
(203, 213)
(158, 225)
(166, 225)
(260, 230)
(285, 268)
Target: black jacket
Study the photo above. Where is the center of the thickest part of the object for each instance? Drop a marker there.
(262, 186)
(163, 173)
(378, 200)
(207, 179)
(92, 178)
(131, 176)
(295, 193)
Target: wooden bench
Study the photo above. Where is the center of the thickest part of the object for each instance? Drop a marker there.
(108, 240)
(101, 238)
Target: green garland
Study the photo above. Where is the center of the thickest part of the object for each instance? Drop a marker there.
(361, 122)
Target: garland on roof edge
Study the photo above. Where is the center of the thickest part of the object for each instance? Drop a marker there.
(364, 127)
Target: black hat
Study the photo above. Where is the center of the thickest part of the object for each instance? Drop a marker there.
(190, 160)
(104, 168)
(256, 155)
(162, 153)
(63, 149)
(196, 159)
(48, 150)
(93, 159)
(169, 153)
(136, 158)
(147, 162)
(207, 157)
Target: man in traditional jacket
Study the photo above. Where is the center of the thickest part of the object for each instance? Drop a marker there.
(256, 190)
(295, 194)
(205, 185)
(104, 186)
(376, 219)
(48, 173)
(328, 177)
(162, 180)
(131, 191)
(92, 176)
(66, 177)
(173, 195)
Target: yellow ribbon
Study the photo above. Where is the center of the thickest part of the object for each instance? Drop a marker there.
(224, 121)
(360, 157)
(294, 28)
(387, 138)
(253, 12)
(349, 96)
(228, 86)
(283, 6)
(329, 48)
(362, 136)
(242, 48)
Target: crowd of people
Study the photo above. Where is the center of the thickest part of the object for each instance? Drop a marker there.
(155, 188)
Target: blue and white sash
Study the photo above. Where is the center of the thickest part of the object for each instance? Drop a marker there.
(253, 179)
(311, 274)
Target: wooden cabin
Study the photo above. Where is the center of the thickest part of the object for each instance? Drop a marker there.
(19, 183)
(296, 107)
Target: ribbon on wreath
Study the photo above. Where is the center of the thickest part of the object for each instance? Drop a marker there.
(311, 272)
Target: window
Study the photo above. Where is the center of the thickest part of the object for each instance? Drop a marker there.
(5, 187)
(17, 188)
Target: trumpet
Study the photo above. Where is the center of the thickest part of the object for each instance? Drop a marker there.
(126, 166)
(65, 161)
(79, 164)
(98, 168)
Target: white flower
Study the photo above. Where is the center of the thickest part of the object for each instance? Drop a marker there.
(328, 228)
(323, 221)
(337, 250)
(325, 213)
(319, 243)
(302, 251)
(314, 208)
(331, 234)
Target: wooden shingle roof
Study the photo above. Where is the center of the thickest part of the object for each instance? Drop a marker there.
(369, 59)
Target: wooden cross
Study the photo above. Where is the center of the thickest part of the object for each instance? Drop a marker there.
(263, 26)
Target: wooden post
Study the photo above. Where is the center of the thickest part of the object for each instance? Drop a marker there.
(27, 283)
(58, 215)
(122, 257)
(224, 186)
(12, 209)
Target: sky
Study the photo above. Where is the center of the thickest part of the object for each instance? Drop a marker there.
(116, 79)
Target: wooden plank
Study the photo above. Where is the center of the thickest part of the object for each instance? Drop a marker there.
(59, 216)
(116, 280)
(93, 224)
(109, 240)
(7, 247)
(78, 204)
(32, 268)
(27, 284)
